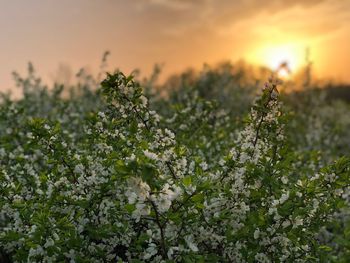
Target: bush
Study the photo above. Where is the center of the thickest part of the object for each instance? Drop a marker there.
(121, 182)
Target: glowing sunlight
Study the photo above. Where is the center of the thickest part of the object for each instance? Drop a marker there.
(285, 59)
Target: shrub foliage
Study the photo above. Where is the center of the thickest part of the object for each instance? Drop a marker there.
(107, 177)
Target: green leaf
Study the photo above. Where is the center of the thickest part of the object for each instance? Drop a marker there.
(187, 181)
(130, 208)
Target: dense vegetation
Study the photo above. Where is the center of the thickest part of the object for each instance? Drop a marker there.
(209, 167)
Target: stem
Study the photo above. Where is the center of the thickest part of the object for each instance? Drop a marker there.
(263, 116)
(162, 238)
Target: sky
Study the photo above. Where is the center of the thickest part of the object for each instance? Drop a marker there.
(178, 34)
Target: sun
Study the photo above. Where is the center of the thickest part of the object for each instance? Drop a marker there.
(284, 59)
(283, 72)
(274, 57)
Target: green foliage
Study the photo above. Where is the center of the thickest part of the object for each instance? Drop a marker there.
(111, 175)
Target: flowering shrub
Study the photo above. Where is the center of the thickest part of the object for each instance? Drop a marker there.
(122, 183)
(320, 125)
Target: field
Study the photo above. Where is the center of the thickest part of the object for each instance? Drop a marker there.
(220, 165)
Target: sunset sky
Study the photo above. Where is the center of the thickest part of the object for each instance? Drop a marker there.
(176, 33)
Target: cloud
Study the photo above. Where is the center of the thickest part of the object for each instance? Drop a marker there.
(181, 17)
